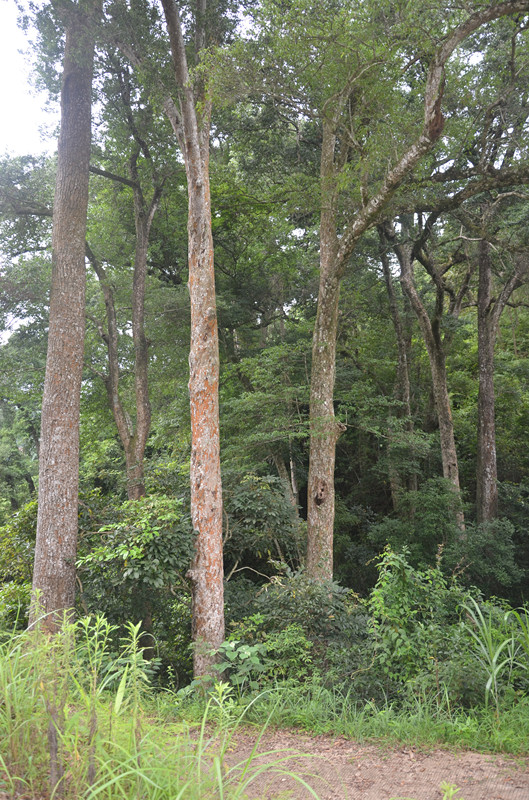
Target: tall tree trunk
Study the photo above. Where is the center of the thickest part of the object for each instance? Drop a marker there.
(325, 431)
(489, 313)
(324, 428)
(56, 546)
(486, 469)
(191, 124)
(206, 489)
(143, 217)
(402, 380)
(431, 331)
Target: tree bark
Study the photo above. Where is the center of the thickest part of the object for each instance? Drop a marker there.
(489, 313)
(402, 380)
(324, 428)
(191, 123)
(286, 478)
(431, 331)
(143, 217)
(486, 469)
(53, 590)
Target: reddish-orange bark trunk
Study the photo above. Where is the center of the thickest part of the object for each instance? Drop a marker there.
(191, 124)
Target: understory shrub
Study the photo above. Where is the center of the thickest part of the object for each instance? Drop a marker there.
(420, 642)
(415, 638)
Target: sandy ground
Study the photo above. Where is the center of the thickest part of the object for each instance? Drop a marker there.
(339, 769)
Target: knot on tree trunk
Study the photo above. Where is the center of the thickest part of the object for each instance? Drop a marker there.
(321, 492)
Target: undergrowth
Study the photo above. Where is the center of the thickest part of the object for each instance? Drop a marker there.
(421, 722)
(77, 720)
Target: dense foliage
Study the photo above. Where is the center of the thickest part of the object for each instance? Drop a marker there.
(422, 605)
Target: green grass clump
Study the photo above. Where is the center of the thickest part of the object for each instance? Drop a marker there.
(78, 721)
(421, 722)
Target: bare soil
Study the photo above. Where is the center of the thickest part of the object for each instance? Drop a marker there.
(340, 769)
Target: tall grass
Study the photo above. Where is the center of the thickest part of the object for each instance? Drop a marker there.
(79, 720)
(76, 721)
(422, 721)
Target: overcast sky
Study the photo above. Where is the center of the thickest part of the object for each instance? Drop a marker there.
(22, 112)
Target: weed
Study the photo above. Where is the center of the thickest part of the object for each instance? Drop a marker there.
(104, 743)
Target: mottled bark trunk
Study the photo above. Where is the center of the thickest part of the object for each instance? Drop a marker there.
(324, 428)
(325, 431)
(486, 469)
(191, 124)
(402, 390)
(489, 312)
(206, 489)
(56, 544)
(431, 332)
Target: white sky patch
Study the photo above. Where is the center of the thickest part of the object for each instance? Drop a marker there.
(22, 107)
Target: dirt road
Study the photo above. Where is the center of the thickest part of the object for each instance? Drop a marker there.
(339, 769)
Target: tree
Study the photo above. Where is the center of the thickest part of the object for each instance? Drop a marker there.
(433, 338)
(489, 311)
(56, 545)
(336, 249)
(402, 380)
(359, 81)
(135, 120)
(191, 123)
(190, 117)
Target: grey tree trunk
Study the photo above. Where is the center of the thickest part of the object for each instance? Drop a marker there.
(431, 331)
(53, 590)
(402, 381)
(486, 468)
(489, 313)
(325, 430)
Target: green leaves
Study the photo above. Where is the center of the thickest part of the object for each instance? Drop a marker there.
(151, 543)
(415, 616)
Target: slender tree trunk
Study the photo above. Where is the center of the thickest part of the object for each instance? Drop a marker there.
(486, 470)
(285, 476)
(324, 428)
(434, 345)
(206, 488)
(489, 313)
(56, 544)
(325, 431)
(143, 217)
(402, 381)
(191, 124)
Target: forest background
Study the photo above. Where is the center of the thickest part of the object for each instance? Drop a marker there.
(368, 172)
